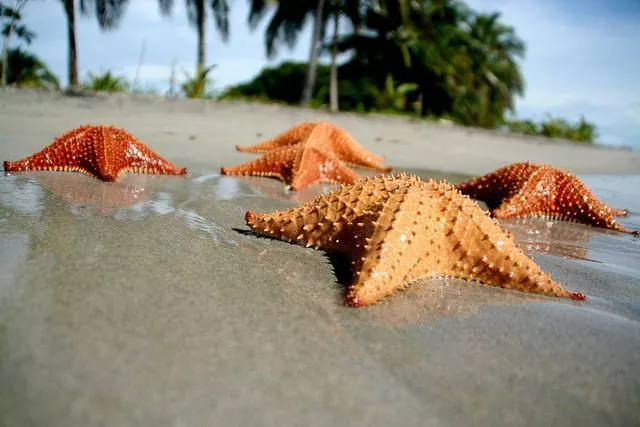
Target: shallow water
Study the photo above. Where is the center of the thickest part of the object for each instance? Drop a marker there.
(146, 302)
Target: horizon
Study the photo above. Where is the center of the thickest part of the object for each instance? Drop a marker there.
(578, 62)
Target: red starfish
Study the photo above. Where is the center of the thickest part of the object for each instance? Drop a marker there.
(527, 189)
(103, 152)
(300, 165)
(337, 140)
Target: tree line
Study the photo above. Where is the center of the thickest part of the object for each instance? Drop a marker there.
(432, 58)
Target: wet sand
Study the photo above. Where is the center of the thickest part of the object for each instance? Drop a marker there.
(147, 302)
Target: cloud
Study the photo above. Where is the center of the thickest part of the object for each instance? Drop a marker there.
(579, 61)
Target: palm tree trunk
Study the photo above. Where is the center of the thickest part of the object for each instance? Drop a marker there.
(333, 82)
(310, 83)
(5, 55)
(202, 19)
(69, 8)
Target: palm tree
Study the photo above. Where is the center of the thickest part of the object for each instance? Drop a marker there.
(108, 12)
(288, 21)
(284, 27)
(310, 81)
(196, 11)
(415, 41)
(493, 76)
(352, 10)
(13, 26)
(26, 70)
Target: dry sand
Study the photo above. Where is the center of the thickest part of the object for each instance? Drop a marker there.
(147, 303)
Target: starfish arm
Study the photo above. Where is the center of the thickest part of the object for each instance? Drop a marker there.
(481, 251)
(498, 185)
(139, 158)
(314, 166)
(559, 195)
(328, 222)
(63, 154)
(619, 212)
(392, 249)
(352, 153)
(277, 163)
(290, 137)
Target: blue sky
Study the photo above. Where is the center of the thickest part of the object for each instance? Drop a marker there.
(583, 56)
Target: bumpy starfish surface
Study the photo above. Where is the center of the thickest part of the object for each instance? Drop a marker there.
(398, 229)
(103, 152)
(528, 190)
(300, 165)
(337, 140)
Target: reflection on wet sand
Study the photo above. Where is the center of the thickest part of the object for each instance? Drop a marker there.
(558, 238)
(278, 191)
(428, 300)
(21, 195)
(90, 196)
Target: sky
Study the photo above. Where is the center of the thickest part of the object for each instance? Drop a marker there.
(583, 56)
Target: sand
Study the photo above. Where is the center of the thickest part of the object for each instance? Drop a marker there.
(147, 302)
(206, 132)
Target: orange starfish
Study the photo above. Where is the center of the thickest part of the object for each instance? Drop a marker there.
(299, 165)
(527, 189)
(400, 229)
(337, 140)
(103, 152)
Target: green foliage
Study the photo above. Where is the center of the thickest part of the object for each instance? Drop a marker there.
(198, 86)
(552, 127)
(463, 65)
(11, 25)
(527, 127)
(27, 70)
(280, 83)
(285, 82)
(105, 82)
(395, 97)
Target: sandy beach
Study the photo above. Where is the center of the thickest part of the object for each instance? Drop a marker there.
(147, 302)
(191, 132)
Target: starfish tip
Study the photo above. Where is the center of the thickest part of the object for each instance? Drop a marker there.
(577, 296)
(250, 218)
(354, 302)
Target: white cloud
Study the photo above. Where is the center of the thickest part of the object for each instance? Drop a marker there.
(577, 62)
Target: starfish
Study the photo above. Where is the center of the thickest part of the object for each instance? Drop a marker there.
(103, 152)
(398, 229)
(300, 165)
(534, 190)
(337, 140)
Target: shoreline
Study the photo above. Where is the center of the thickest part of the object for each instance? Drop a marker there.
(35, 117)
